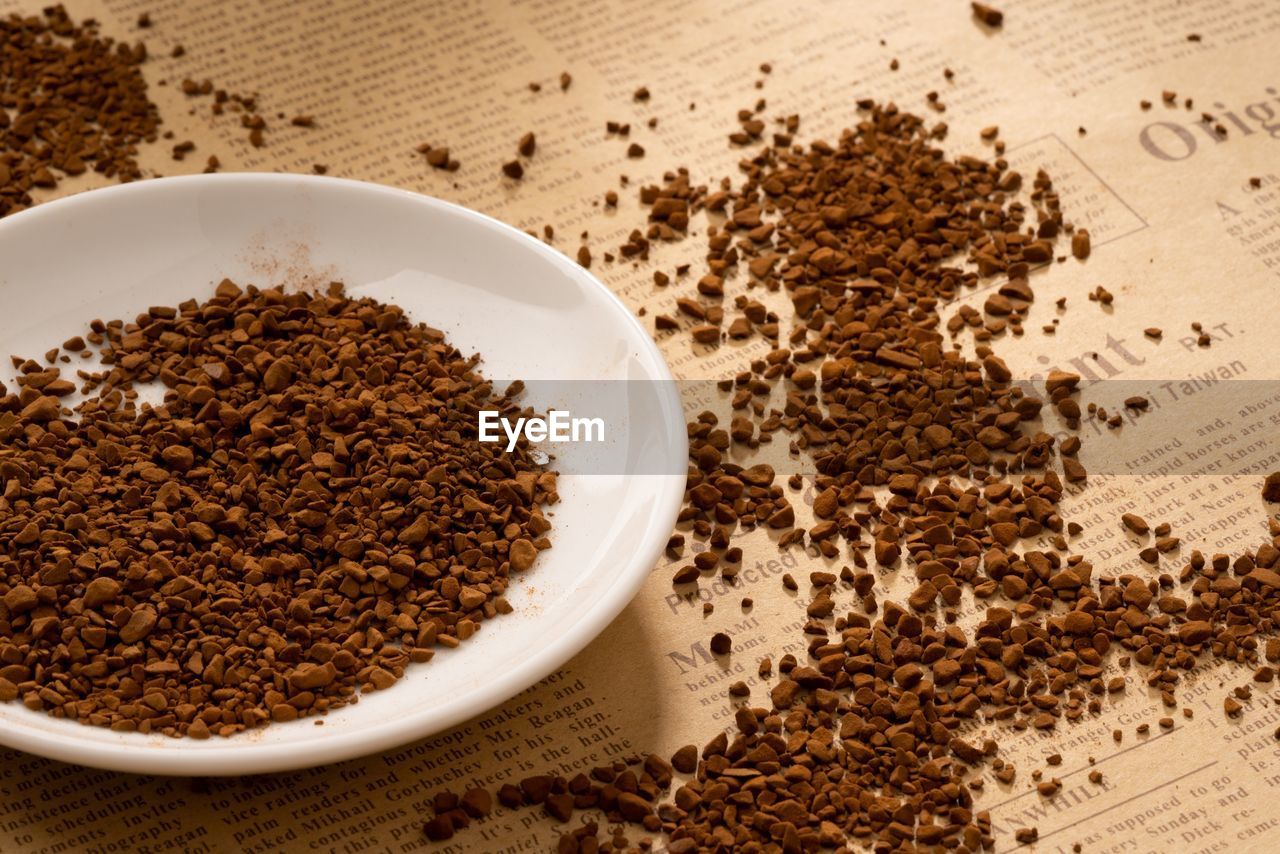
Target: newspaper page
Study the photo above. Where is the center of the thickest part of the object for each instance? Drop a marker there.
(1180, 235)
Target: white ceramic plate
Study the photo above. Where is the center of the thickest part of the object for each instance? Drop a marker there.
(531, 312)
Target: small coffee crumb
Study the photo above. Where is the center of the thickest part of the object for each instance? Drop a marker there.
(1271, 487)
(988, 15)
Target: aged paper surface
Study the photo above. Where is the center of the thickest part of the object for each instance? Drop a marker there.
(1179, 236)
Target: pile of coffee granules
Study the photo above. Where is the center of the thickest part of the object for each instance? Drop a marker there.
(929, 461)
(307, 512)
(70, 100)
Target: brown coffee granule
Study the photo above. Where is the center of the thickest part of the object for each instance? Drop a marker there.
(438, 157)
(641, 94)
(527, 144)
(1080, 244)
(513, 170)
(988, 15)
(721, 643)
(565, 81)
(303, 121)
(307, 512)
(1271, 488)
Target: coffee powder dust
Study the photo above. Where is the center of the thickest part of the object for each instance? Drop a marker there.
(307, 513)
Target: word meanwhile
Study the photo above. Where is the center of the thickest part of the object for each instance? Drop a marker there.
(558, 426)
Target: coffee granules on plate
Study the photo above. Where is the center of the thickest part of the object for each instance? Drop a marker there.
(307, 512)
(71, 100)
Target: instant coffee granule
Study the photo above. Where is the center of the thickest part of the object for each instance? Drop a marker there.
(71, 100)
(307, 512)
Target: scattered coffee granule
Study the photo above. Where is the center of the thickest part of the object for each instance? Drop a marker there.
(635, 149)
(1271, 487)
(721, 643)
(527, 145)
(1080, 244)
(74, 101)
(565, 81)
(303, 121)
(988, 15)
(641, 94)
(307, 512)
(438, 157)
(513, 169)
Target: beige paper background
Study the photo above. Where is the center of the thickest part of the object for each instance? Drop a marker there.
(1176, 240)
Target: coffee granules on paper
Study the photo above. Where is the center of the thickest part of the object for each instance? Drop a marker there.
(308, 512)
(928, 460)
(988, 15)
(71, 100)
